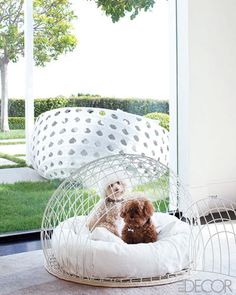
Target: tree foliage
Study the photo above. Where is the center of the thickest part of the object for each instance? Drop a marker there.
(53, 31)
(119, 8)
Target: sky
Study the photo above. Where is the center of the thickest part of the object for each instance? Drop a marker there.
(125, 59)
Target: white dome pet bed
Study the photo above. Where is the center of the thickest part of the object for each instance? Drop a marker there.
(74, 245)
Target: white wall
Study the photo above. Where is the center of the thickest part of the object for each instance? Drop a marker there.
(207, 97)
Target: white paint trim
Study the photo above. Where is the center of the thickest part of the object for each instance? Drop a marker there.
(29, 64)
(173, 87)
(183, 91)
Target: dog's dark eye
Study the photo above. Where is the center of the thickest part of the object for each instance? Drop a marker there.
(111, 185)
(118, 182)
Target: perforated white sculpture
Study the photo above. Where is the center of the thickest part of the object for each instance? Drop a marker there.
(65, 139)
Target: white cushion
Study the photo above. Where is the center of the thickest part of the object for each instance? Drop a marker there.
(102, 254)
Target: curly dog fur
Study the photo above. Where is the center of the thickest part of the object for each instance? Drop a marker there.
(138, 226)
(107, 212)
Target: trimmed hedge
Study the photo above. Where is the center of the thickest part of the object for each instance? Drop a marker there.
(19, 122)
(164, 119)
(134, 105)
(16, 123)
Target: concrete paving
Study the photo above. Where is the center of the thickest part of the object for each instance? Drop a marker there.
(12, 175)
(12, 140)
(13, 149)
(6, 162)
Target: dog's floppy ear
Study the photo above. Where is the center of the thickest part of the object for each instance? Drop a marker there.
(123, 210)
(148, 208)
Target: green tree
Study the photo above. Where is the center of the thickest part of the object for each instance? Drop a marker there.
(119, 8)
(53, 36)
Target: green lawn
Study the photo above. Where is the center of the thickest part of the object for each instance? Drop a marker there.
(12, 134)
(22, 204)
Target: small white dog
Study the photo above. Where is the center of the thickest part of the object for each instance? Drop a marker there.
(107, 212)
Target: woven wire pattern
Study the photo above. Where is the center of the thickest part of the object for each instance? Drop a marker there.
(79, 194)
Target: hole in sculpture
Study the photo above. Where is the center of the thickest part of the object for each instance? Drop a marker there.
(45, 127)
(60, 163)
(72, 140)
(54, 123)
(44, 137)
(145, 144)
(123, 142)
(77, 119)
(65, 120)
(67, 111)
(72, 163)
(85, 141)
(161, 149)
(96, 155)
(87, 130)
(43, 148)
(99, 133)
(44, 158)
(46, 167)
(60, 141)
(136, 137)
(113, 126)
(37, 153)
(55, 173)
(163, 141)
(97, 143)
(156, 132)
(125, 131)
(75, 129)
(39, 132)
(62, 172)
(142, 154)
(51, 164)
(49, 116)
(153, 153)
(147, 135)
(167, 148)
(60, 153)
(62, 131)
(50, 154)
(111, 136)
(52, 134)
(84, 153)
(114, 116)
(57, 113)
(163, 130)
(126, 121)
(100, 123)
(50, 144)
(138, 119)
(71, 152)
(110, 148)
(137, 128)
(78, 110)
(88, 120)
(155, 142)
(148, 125)
(90, 111)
